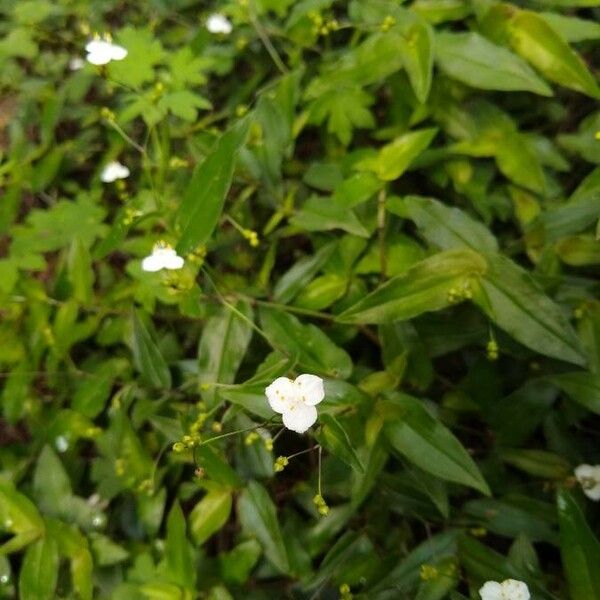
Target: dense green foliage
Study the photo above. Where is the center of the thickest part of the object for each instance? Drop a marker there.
(402, 198)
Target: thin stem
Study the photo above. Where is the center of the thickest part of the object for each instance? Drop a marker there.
(264, 38)
(320, 490)
(295, 309)
(126, 137)
(234, 310)
(381, 233)
(230, 433)
(303, 452)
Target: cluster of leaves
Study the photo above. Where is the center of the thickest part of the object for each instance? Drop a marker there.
(402, 198)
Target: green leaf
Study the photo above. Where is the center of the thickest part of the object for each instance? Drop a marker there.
(447, 227)
(148, 357)
(344, 111)
(322, 292)
(314, 351)
(572, 29)
(217, 468)
(539, 463)
(394, 158)
(144, 52)
(258, 517)
(184, 104)
(51, 484)
(179, 556)
(581, 386)
(237, 564)
(578, 250)
(472, 59)
(422, 439)
(425, 287)
(579, 548)
(333, 437)
(536, 41)
(417, 56)
(511, 298)
(39, 571)
(405, 575)
(222, 347)
(20, 516)
(81, 274)
(297, 276)
(322, 214)
(210, 514)
(204, 196)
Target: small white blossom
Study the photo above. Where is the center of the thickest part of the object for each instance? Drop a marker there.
(76, 63)
(588, 477)
(218, 23)
(113, 171)
(296, 400)
(510, 589)
(162, 257)
(101, 52)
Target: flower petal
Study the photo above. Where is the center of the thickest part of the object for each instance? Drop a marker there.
(152, 263)
(218, 23)
(118, 52)
(172, 261)
(515, 590)
(593, 493)
(491, 590)
(281, 394)
(311, 389)
(583, 472)
(300, 417)
(98, 58)
(94, 46)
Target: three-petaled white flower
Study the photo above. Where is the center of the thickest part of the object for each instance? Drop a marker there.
(588, 477)
(510, 589)
(217, 23)
(163, 257)
(113, 171)
(102, 51)
(296, 400)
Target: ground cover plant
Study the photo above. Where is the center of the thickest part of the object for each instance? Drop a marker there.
(299, 299)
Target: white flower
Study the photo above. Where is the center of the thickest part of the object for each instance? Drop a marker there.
(76, 63)
(162, 257)
(101, 52)
(510, 589)
(218, 23)
(113, 171)
(589, 479)
(296, 400)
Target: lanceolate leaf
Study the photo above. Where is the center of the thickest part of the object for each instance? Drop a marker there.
(507, 293)
(258, 516)
(536, 41)
(394, 158)
(511, 298)
(471, 58)
(422, 439)
(417, 55)
(148, 357)
(580, 549)
(223, 344)
(39, 571)
(426, 287)
(448, 227)
(581, 386)
(314, 351)
(335, 439)
(204, 197)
